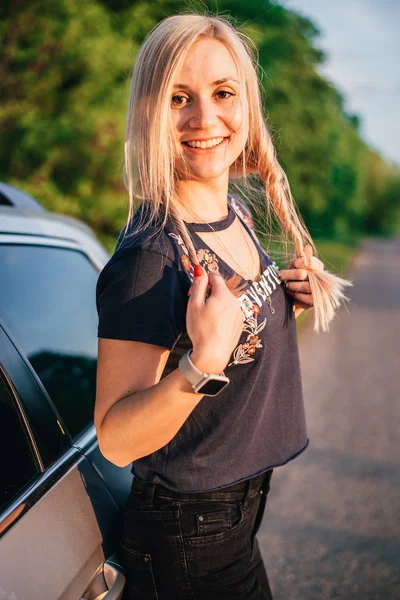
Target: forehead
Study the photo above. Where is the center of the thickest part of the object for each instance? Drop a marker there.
(208, 60)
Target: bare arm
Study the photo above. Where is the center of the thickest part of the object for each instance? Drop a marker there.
(135, 412)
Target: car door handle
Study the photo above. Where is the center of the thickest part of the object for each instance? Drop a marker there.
(108, 584)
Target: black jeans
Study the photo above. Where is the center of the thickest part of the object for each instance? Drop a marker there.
(197, 546)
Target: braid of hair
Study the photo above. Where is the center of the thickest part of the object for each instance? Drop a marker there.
(183, 232)
(279, 196)
(326, 288)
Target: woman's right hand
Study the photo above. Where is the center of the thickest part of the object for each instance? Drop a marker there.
(214, 323)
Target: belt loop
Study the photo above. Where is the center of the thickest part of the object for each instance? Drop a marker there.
(246, 494)
(266, 481)
(149, 494)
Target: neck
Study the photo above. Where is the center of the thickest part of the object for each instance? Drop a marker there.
(208, 201)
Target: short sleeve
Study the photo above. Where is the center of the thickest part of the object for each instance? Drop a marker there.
(140, 297)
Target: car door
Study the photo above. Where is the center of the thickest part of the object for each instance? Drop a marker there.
(59, 502)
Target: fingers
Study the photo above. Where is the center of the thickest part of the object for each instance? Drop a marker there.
(306, 306)
(308, 250)
(297, 281)
(198, 290)
(217, 282)
(298, 286)
(294, 274)
(313, 263)
(302, 300)
(206, 284)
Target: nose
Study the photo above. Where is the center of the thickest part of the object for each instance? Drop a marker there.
(204, 114)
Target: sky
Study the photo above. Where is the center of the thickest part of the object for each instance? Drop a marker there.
(361, 41)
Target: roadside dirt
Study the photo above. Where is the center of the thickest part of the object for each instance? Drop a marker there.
(331, 529)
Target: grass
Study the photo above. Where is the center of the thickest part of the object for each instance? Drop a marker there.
(337, 255)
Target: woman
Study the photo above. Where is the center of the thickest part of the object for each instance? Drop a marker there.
(198, 374)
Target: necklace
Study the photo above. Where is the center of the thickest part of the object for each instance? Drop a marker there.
(242, 271)
(271, 308)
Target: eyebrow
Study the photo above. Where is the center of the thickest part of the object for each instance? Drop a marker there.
(217, 82)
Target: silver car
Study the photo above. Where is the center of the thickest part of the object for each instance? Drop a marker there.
(59, 497)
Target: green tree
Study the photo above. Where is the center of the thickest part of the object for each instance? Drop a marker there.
(65, 71)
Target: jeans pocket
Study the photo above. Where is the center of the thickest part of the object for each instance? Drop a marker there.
(140, 577)
(218, 563)
(209, 522)
(217, 521)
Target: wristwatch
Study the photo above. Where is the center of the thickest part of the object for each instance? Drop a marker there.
(202, 383)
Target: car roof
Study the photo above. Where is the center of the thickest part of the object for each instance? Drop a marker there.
(50, 226)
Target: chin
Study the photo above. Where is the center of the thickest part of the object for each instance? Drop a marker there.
(209, 174)
(204, 173)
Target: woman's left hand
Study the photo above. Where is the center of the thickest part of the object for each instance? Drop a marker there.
(296, 279)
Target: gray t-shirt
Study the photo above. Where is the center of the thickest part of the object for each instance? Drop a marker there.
(257, 422)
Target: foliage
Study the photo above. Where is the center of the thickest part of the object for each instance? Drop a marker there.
(65, 68)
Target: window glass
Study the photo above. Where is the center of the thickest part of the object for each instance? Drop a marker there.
(18, 463)
(48, 304)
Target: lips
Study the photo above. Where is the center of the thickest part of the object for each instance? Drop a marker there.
(204, 144)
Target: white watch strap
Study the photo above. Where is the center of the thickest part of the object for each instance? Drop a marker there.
(201, 382)
(190, 371)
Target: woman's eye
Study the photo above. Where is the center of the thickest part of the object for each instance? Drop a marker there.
(179, 101)
(224, 94)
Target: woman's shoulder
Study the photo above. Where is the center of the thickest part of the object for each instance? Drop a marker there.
(140, 293)
(145, 235)
(145, 263)
(141, 254)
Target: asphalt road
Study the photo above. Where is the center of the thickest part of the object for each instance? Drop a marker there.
(331, 529)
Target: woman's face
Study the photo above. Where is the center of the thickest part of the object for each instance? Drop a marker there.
(209, 123)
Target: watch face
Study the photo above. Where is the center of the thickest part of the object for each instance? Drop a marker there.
(212, 387)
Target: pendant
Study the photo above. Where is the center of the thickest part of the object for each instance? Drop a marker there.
(271, 308)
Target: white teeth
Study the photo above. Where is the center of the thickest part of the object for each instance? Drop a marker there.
(207, 144)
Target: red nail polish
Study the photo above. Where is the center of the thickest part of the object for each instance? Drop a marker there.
(198, 270)
(189, 292)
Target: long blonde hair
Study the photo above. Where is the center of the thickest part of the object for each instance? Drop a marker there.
(149, 170)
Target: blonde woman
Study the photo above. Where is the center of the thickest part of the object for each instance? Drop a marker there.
(199, 380)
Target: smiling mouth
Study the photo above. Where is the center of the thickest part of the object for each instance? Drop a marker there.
(205, 144)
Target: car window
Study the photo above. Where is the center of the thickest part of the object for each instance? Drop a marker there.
(18, 461)
(48, 304)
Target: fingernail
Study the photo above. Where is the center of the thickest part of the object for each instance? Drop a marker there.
(198, 270)
(189, 292)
